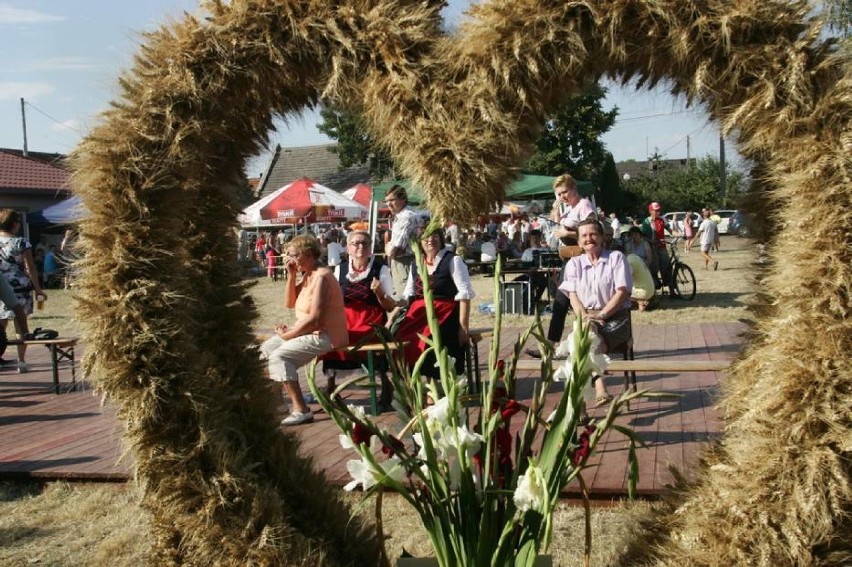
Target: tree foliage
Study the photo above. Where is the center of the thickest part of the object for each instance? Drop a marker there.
(839, 16)
(355, 145)
(572, 138)
(611, 197)
(680, 189)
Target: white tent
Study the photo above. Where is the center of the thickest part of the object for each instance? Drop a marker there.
(303, 201)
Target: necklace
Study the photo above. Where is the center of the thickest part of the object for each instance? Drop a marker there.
(429, 262)
(358, 270)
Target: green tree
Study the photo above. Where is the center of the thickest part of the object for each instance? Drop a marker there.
(680, 189)
(355, 146)
(839, 16)
(572, 138)
(611, 197)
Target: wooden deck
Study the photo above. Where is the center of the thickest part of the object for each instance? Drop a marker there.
(73, 436)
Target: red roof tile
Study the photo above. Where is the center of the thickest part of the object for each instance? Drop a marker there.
(18, 172)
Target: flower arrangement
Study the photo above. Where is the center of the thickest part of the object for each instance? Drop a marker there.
(485, 496)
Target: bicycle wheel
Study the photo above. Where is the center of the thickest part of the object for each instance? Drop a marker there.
(683, 279)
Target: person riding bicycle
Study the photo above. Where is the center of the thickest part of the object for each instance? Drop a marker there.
(654, 231)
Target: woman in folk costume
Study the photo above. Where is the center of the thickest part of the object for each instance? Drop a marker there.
(449, 281)
(367, 297)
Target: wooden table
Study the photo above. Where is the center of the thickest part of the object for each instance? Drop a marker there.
(61, 350)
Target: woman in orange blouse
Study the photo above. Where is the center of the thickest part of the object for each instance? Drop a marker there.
(319, 328)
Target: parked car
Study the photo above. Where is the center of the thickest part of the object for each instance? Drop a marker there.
(680, 215)
(725, 219)
(739, 224)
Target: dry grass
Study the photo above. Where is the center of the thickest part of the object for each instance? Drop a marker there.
(72, 524)
(103, 524)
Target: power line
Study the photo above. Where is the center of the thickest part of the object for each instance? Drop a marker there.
(59, 122)
(634, 118)
(665, 151)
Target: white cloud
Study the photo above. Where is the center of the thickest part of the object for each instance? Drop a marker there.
(66, 125)
(11, 15)
(52, 64)
(26, 90)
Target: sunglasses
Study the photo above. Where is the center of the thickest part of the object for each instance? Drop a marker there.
(359, 243)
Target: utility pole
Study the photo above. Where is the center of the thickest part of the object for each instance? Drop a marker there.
(723, 182)
(24, 121)
(688, 153)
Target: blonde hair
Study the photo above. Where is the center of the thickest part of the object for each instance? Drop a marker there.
(565, 180)
(306, 243)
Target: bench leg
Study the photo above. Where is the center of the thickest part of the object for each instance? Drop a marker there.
(472, 367)
(54, 363)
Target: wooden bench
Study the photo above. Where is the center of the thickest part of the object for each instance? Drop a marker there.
(61, 350)
(632, 366)
(371, 349)
(472, 353)
(647, 365)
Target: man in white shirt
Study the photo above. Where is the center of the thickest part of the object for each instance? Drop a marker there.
(488, 251)
(335, 250)
(406, 226)
(708, 232)
(615, 224)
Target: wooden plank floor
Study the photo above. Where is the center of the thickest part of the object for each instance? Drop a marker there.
(73, 436)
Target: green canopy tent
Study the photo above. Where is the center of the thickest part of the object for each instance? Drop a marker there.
(415, 194)
(526, 188)
(541, 187)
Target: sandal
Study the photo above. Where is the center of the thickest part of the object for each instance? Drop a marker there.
(602, 400)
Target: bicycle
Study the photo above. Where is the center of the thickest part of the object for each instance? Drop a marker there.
(681, 277)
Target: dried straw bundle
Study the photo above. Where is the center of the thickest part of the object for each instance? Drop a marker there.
(165, 309)
(779, 491)
(166, 315)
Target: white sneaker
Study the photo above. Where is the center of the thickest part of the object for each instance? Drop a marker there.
(298, 418)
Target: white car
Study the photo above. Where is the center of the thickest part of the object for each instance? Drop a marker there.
(669, 217)
(725, 217)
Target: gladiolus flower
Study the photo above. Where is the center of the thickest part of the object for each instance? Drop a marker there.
(364, 473)
(530, 493)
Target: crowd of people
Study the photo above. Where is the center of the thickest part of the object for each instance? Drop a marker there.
(348, 303)
(343, 295)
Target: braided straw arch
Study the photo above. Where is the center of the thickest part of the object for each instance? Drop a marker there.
(166, 316)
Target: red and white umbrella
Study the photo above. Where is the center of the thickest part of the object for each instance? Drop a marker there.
(302, 201)
(361, 194)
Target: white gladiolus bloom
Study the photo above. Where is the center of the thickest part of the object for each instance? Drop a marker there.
(439, 412)
(595, 363)
(466, 441)
(346, 442)
(357, 411)
(363, 473)
(530, 493)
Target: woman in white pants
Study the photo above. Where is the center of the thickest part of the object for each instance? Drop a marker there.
(319, 328)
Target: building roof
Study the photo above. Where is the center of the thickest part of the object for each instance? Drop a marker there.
(315, 162)
(635, 168)
(36, 172)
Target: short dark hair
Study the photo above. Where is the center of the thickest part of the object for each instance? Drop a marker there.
(399, 192)
(8, 218)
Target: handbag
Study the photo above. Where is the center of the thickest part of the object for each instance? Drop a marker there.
(40, 334)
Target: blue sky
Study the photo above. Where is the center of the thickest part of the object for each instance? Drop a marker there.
(63, 58)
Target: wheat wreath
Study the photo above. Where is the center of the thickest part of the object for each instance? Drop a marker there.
(166, 316)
